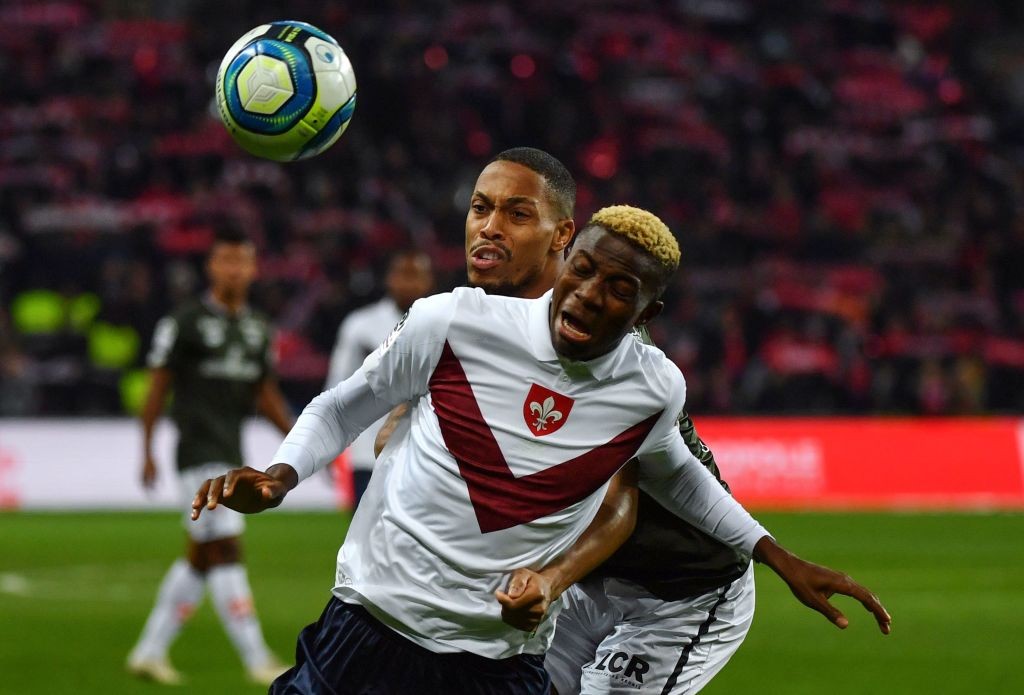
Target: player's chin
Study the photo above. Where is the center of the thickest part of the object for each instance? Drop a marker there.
(573, 349)
(493, 283)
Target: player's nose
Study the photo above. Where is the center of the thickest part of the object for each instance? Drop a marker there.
(588, 293)
(491, 227)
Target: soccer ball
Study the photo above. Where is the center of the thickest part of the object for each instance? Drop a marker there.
(286, 91)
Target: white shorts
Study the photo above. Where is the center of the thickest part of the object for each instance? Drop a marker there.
(613, 636)
(212, 525)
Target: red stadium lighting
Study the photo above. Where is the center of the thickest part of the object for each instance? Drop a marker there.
(478, 143)
(523, 66)
(435, 57)
(950, 91)
(145, 60)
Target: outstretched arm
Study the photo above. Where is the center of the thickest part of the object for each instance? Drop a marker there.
(677, 480)
(525, 601)
(813, 585)
(246, 489)
(326, 426)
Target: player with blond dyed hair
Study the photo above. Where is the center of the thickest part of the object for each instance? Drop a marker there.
(641, 227)
(522, 411)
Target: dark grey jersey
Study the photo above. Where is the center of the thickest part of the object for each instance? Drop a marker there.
(666, 555)
(218, 361)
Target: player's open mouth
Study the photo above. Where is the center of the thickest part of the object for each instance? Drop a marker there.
(486, 257)
(572, 329)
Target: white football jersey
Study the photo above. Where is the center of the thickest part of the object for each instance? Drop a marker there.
(503, 464)
(361, 333)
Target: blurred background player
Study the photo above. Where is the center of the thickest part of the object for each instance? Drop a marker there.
(409, 277)
(215, 354)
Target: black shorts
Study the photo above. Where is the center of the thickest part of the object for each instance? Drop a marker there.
(349, 652)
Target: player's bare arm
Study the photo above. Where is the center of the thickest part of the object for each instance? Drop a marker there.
(160, 380)
(270, 403)
(813, 585)
(388, 428)
(246, 490)
(525, 601)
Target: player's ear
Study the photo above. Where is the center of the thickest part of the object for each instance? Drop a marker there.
(564, 231)
(649, 312)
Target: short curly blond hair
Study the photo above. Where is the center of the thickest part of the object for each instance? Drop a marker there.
(643, 229)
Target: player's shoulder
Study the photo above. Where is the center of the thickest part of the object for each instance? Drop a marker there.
(470, 298)
(188, 312)
(431, 314)
(657, 369)
(466, 299)
(462, 310)
(258, 318)
(371, 314)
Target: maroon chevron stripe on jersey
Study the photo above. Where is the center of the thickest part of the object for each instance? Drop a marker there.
(500, 500)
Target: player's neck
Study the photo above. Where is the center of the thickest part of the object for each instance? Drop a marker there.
(539, 285)
(229, 302)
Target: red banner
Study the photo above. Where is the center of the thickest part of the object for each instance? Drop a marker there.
(870, 463)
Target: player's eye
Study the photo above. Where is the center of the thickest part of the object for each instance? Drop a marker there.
(582, 267)
(520, 215)
(624, 290)
(479, 208)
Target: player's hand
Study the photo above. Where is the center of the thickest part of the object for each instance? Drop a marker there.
(525, 601)
(245, 490)
(148, 472)
(813, 585)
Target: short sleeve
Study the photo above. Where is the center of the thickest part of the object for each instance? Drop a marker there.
(400, 369)
(164, 350)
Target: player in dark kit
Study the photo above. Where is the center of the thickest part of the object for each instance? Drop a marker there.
(215, 354)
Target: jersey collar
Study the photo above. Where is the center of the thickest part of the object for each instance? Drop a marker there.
(217, 308)
(601, 368)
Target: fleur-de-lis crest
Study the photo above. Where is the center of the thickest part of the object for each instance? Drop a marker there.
(544, 413)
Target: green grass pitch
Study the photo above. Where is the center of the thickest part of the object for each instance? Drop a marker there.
(76, 588)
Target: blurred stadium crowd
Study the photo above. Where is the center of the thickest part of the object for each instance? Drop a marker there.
(845, 179)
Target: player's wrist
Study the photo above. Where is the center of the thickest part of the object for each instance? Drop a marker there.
(557, 580)
(768, 552)
(284, 473)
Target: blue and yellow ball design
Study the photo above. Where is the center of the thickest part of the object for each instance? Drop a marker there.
(286, 91)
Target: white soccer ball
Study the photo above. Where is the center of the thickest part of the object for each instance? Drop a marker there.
(286, 91)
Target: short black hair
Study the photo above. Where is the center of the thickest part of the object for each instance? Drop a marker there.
(560, 182)
(229, 234)
(410, 254)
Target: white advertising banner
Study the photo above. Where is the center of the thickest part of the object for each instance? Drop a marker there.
(96, 464)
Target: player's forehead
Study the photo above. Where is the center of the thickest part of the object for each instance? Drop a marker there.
(615, 254)
(226, 249)
(503, 183)
(410, 264)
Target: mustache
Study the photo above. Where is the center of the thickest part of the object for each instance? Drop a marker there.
(482, 244)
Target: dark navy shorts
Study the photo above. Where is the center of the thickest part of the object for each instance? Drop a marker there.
(349, 652)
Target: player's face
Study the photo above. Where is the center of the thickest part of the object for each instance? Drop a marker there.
(514, 234)
(409, 278)
(606, 287)
(231, 268)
